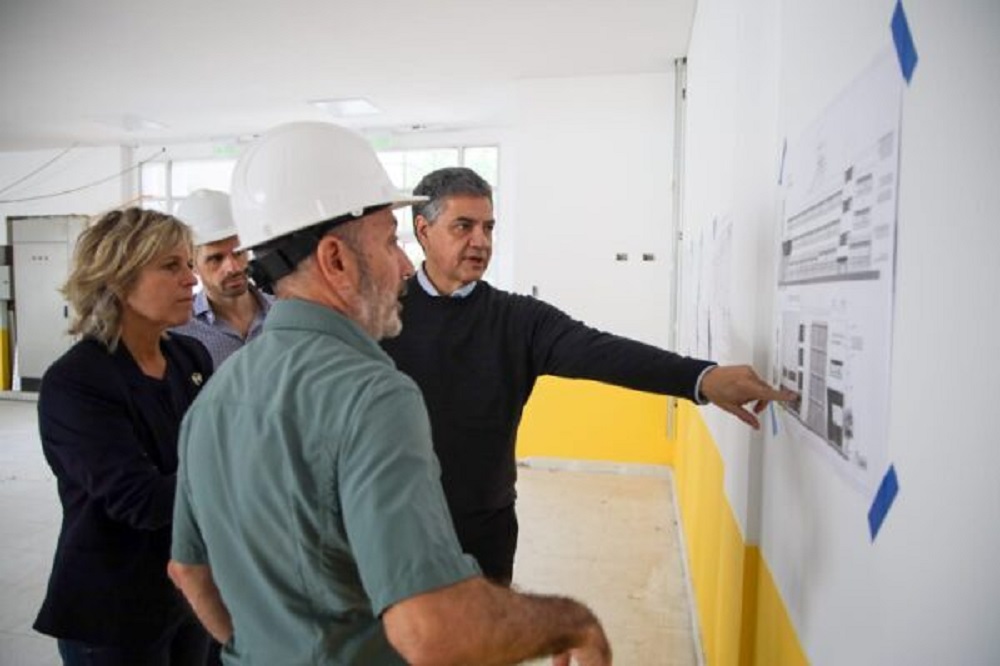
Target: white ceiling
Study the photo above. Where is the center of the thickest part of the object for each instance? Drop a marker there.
(74, 70)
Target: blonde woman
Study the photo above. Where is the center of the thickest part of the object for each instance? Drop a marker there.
(108, 413)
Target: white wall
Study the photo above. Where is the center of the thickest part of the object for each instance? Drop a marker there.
(80, 166)
(585, 173)
(730, 169)
(593, 172)
(925, 591)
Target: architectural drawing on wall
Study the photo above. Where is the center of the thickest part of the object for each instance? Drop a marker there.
(702, 336)
(816, 363)
(836, 273)
(708, 262)
(720, 315)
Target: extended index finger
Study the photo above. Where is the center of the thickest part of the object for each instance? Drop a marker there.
(766, 392)
(784, 395)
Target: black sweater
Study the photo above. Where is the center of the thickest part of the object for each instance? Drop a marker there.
(476, 360)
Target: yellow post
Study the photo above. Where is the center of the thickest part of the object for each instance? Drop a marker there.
(5, 355)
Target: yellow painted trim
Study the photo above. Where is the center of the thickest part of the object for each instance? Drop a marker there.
(742, 618)
(741, 615)
(715, 546)
(751, 595)
(584, 420)
(5, 359)
(774, 638)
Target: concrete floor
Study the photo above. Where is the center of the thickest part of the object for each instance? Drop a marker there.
(594, 533)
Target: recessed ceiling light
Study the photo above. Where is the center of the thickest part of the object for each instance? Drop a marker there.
(342, 108)
(133, 123)
(130, 122)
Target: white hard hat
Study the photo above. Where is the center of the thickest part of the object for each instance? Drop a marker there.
(299, 174)
(208, 214)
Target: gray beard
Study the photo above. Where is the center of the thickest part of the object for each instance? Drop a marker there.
(377, 316)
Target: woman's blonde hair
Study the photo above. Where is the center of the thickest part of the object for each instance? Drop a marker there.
(108, 258)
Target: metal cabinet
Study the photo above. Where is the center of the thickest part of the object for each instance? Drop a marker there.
(43, 248)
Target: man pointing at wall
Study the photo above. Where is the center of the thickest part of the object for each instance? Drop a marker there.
(476, 351)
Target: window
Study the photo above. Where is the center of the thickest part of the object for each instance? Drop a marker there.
(407, 167)
(188, 176)
(163, 185)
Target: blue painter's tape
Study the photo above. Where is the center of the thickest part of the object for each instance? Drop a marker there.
(901, 36)
(781, 169)
(774, 420)
(884, 498)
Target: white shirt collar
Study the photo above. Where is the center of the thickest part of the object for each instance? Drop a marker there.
(425, 283)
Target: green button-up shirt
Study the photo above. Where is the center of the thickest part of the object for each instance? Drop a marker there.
(308, 483)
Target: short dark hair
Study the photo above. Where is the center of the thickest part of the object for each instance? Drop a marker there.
(448, 182)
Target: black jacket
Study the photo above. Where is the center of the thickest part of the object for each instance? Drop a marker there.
(109, 433)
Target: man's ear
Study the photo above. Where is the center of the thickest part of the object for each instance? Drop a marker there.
(333, 259)
(420, 226)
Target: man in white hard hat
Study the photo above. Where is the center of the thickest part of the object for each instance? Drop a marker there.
(476, 352)
(310, 526)
(229, 310)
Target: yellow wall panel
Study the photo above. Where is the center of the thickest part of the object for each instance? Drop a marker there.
(775, 641)
(748, 625)
(584, 420)
(715, 547)
(741, 616)
(5, 355)
(740, 613)
(729, 598)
